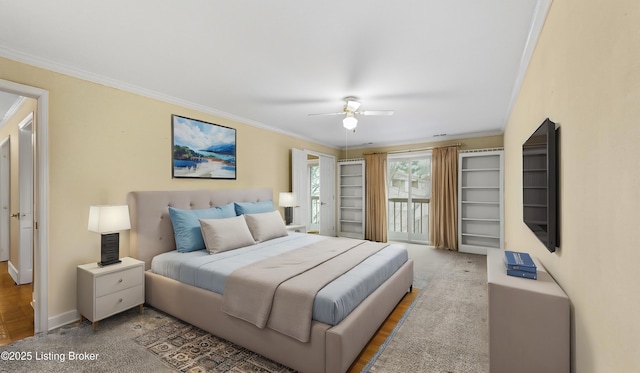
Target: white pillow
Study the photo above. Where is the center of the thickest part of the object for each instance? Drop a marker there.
(266, 226)
(225, 234)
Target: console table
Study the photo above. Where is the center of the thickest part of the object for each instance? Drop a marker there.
(529, 321)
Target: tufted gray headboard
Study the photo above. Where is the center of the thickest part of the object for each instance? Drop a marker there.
(151, 230)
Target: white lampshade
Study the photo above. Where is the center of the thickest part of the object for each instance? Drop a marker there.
(287, 199)
(350, 121)
(105, 219)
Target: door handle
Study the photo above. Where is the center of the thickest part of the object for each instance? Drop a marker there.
(16, 215)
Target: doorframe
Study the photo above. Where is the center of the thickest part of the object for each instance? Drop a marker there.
(5, 196)
(41, 201)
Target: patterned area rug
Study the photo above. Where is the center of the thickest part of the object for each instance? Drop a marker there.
(189, 349)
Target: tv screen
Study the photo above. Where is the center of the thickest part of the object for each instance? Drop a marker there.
(539, 184)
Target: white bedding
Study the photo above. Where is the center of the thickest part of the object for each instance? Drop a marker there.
(332, 304)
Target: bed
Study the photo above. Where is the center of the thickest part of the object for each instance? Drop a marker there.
(328, 348)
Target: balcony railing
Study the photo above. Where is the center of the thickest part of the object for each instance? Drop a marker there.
(315, 210)
(419, 217)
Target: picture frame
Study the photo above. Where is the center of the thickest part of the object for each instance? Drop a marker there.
(202, 150)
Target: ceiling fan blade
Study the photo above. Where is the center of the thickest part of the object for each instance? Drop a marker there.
(340, 113)
(375, 112)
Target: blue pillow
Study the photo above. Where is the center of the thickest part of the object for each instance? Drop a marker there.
(186, 227)
(253, 207)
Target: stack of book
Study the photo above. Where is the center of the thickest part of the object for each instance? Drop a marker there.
(520, 265)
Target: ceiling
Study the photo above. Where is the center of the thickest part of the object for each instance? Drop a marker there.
(448, 69)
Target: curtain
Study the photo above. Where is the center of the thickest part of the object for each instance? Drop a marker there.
(375, 176)
(443, 209)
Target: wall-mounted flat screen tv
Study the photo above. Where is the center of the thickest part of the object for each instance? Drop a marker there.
(540, 184)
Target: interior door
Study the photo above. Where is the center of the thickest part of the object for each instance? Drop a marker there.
(300, 186)
(25, 214)
(5, 193)
(327, 196)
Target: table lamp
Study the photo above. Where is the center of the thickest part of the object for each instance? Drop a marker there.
(108, 221)
(288, 201)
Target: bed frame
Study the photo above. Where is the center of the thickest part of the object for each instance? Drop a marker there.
(331, 349)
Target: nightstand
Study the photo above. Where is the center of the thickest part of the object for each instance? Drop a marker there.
(296, 228)
(106, 291)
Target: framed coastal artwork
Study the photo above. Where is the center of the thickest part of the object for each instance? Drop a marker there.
(202, 150)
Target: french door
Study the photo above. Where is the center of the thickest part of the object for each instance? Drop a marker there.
(408, 196)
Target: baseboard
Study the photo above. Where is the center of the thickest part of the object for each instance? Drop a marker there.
(13, 272)
(63, 319)
(469, 249)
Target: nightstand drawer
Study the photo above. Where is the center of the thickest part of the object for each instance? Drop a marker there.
(116, 281)
(117, 302)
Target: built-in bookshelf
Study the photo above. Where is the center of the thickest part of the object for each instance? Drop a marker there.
(351, 198)
(480, 201)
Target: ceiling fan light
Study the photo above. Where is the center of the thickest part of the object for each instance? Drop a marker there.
(350, 122)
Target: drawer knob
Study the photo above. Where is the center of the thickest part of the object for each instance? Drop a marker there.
(120, 300)
(119, 280)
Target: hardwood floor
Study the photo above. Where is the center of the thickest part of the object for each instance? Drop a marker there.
(16, 313)
(383, 332)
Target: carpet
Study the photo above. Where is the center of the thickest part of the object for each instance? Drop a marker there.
(445, 329)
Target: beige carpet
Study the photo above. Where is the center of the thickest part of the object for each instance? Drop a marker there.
(446, 327)
(445, 330)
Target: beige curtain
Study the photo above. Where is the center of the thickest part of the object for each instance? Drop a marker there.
(375, 176)
(443, 209)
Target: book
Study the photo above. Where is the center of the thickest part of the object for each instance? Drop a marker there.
(519, 261)
(523, 274)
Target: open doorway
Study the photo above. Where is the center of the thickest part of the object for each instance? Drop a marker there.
(16, 221)
(37, 134)
(313, 182)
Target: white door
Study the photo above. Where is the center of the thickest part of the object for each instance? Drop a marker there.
(327, 196)
(25, 214)
(300, 186)
(5, 188)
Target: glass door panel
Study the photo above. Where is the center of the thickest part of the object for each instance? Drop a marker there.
(409, 192)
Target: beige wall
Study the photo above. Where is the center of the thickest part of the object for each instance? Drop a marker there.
(10, 130)
(465, 144)
(585, 75)
(104, 142)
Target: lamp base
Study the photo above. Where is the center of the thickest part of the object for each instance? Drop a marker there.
(109, 249)
(288, 215)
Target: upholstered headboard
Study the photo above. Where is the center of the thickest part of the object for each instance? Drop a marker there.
(151, 229)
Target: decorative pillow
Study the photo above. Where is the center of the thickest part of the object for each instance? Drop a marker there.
(253, 207)
(225, 234)
(266, 226)
(186, 227)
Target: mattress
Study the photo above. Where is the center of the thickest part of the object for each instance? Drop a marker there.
(332, 303)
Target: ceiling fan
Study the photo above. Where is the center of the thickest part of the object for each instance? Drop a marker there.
(350, 110)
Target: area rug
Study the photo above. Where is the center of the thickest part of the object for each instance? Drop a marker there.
(131, 342)
(445, 329)
(189, 349)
